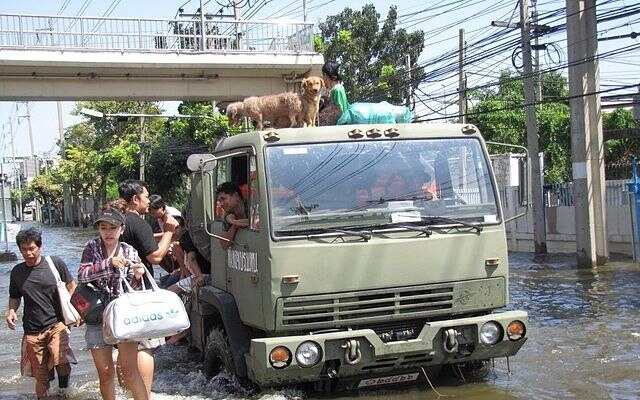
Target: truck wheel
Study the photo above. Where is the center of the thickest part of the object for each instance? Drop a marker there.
(217, 354)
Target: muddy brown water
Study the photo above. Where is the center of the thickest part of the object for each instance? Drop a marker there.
(584, 341)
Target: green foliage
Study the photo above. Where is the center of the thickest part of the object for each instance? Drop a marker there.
(46, 189)
(110, 145)
(372, 56)
(167, 161)
(318, 45)
(500, 115)
(24, 195)
(620, 151)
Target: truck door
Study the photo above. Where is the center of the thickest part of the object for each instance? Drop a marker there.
(237, 267)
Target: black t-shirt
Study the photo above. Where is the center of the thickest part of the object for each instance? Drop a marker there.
(187, 246)
(138, 233)
(37, 288)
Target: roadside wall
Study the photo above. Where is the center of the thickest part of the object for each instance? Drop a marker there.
(560, 222)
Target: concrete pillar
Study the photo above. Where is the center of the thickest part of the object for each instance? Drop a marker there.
(586, 134)
(537, 209)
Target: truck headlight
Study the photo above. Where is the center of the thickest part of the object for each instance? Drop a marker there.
(280, 357)
(516, 330)
(490, 333)
(308, 354)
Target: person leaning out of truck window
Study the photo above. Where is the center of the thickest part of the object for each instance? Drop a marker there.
(229, 198)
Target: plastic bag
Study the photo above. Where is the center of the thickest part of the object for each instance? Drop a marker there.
(375, 113)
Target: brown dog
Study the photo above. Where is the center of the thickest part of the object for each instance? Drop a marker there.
(274, 107)
(311, 88)
(235, 112)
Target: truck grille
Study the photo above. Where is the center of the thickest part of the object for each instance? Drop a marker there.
(388, 305)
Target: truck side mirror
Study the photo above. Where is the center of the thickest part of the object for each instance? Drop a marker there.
(201, 162)
(203, 203)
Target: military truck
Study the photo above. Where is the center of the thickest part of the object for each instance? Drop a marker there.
(373, 253)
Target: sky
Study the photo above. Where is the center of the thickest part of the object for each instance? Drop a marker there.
(490, 48)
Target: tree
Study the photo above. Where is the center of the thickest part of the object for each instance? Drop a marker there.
(620, 152)
(500, 116)
(80, 171)
(182, 137)
(104, 151)
(119, 138)
(372, 57)
(47, 190)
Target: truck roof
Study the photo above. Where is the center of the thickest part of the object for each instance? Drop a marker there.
(346, 133)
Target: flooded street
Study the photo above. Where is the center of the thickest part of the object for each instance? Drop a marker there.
(584, 341)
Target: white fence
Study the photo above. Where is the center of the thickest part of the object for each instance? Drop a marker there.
(155, 35)
(559, 215)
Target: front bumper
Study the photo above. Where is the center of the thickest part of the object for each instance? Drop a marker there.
(377, 357)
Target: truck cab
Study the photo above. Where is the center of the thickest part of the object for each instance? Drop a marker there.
(373, 252)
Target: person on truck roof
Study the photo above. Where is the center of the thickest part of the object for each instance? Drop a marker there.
(229, 198)
(333, 82)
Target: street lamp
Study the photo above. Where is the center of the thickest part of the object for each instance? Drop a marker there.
(92, 113)
(444, 101)
(98, 114)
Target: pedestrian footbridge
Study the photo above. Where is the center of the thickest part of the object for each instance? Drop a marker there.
(209, 58)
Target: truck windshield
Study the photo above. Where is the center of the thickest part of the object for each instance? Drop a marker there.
(364, 184)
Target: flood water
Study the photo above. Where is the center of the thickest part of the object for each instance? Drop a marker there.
(584, 341)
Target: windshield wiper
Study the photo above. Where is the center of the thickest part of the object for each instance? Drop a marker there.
(436, 218)
(363, 234)
(320, 232)
(424, 229)
(383, 200)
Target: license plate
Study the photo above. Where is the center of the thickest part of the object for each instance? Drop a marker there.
(385, 380)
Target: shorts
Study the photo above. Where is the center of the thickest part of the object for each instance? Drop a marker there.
(150, 344)
(168, 280)
(95, 339)
(43, 351)
(186, 284)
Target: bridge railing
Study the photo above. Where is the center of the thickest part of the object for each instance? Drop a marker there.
(154, 35)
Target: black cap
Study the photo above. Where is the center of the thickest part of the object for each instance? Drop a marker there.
(114, 217)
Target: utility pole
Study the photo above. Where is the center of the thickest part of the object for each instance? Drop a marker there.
(142, 143)
(6, 255)
(236, 16)
(304, 10)
(16, 171)
(407, 67)
(462, 80)
(587, 146)
(539, 228)
(444, 101)
(203, 33)
(66, 194)
(34, 158)
(536, 46)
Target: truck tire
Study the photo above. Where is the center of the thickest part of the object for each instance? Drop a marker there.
(217, 354)
(198, 234)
